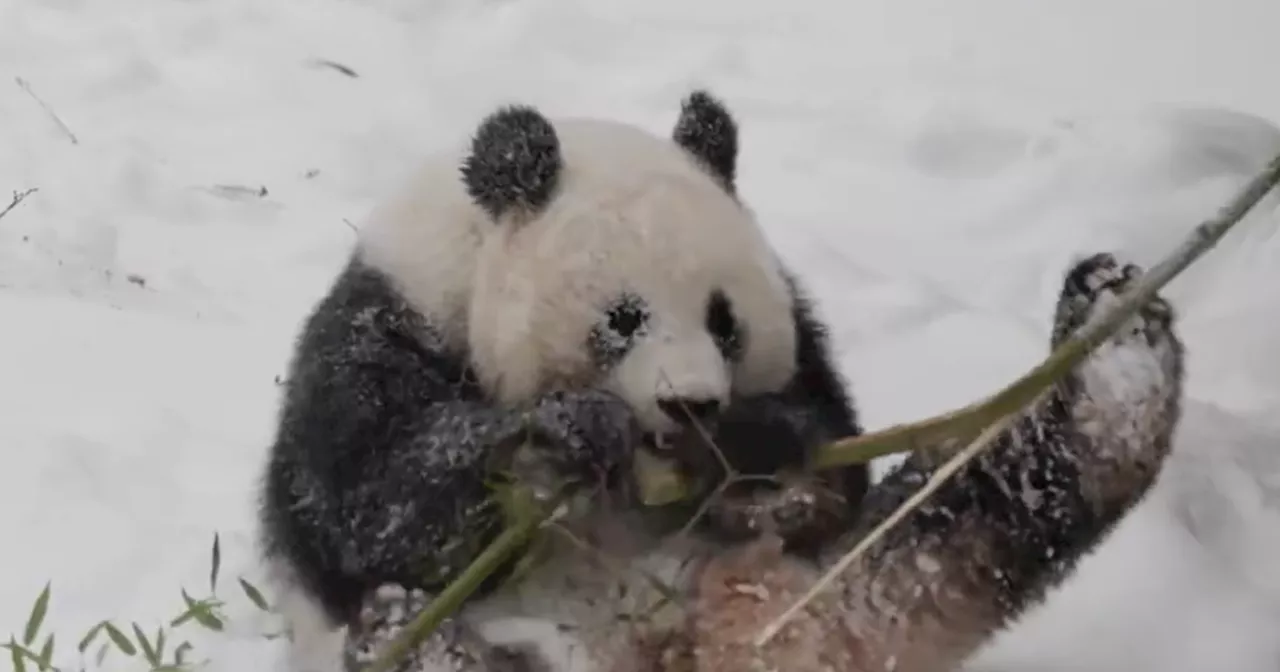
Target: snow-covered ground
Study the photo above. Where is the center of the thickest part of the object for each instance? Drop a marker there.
(930, 165)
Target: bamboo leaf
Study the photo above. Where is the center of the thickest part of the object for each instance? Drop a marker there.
(36, 619)
(16, 655)
(46, 652)
(180, 653)
(148, 652)
(255, 595)
(90, 636)
(119, 639)
(159, 643)
(216, 564)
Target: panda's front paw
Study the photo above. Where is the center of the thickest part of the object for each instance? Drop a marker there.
(801, 509)
(1139, 370)
(585, 434)
(1095, 283)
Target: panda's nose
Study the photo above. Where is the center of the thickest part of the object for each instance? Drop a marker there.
(686, 410)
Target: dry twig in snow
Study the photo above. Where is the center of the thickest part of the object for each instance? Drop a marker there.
(18, 198)
(49, 110)
(325, 63)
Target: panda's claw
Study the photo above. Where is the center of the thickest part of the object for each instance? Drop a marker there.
(1101, 279)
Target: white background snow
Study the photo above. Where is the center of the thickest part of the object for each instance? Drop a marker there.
(930, 166)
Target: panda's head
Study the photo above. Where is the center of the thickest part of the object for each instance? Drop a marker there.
(625, 260)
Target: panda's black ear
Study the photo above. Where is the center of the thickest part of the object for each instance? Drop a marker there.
(707, 130)
(514, 162)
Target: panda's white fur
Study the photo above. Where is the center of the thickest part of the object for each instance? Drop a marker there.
(518, 292)
(314, 639)
(633, 211)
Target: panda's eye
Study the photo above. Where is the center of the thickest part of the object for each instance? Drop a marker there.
(627, 316)
(613, 337)
(723, 325)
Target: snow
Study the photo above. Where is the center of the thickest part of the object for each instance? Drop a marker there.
(930, 166)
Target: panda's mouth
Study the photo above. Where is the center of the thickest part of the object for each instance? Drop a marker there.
(675, 462)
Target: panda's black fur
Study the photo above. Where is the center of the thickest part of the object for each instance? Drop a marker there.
(514, 161)
(381, 468)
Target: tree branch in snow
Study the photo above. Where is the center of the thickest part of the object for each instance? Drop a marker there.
(999, 412)
(18, 198)
(22, 83)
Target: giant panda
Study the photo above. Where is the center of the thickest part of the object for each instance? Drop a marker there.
(581, 286)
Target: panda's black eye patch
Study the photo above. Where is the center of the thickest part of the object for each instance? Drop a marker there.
(627, 315)
(723, 325)
(613, 338)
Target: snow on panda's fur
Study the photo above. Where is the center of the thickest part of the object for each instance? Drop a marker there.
(602, 283)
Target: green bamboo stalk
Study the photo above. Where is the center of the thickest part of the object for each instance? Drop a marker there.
(513, 538)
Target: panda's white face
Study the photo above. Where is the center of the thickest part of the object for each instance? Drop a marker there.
(642, 275)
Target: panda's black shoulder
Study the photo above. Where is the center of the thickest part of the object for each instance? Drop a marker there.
(817, 374)
(365, 354)
(364, 368)
(363, 317)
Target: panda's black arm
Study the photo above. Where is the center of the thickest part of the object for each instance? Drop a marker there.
(379, 471)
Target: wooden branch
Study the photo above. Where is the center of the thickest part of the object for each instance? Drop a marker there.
(1005, 406)
(18, 198)
(26, 86)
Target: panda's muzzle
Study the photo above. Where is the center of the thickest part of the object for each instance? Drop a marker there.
(692, 417)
